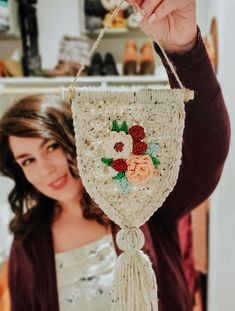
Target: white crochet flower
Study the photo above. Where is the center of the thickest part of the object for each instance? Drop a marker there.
(112, 172)
(119, 145)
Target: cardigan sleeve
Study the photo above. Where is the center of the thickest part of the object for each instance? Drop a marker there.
(18, 280)
(206, 134)
(15, 301)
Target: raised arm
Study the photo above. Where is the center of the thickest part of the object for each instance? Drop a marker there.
(206, 134)
(207, 130)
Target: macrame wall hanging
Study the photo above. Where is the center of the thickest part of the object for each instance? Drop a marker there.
(129, 153)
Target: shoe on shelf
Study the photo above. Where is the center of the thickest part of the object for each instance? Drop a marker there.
(10, 68)
(94, 8)
(93, 23)
(110, 5)
(130, 59)
(109, 66)
(63, 68)
(147, 59)
(73, 52)
(96, 66)
(2, 69)
(13, 68)
(119, 22)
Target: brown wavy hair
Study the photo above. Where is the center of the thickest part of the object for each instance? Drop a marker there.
(48, 117)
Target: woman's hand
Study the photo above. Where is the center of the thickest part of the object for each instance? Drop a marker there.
(170, 22)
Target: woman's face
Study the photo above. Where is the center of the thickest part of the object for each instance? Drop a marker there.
(45, 166)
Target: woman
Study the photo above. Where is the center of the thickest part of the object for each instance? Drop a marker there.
(59, 232)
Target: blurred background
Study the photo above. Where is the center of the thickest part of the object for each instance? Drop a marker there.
(43, 44)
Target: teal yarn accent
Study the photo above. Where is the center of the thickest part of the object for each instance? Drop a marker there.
(124, 185)
(152, 149)
(107, 161)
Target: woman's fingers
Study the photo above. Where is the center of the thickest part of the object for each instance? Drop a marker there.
(149, 6)
(154, 10)
(132, 2)
(165, 8)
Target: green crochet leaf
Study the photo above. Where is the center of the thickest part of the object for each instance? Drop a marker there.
(119, 176)
(107, 161)
(115, 127)
(155, 161)
(124, 127)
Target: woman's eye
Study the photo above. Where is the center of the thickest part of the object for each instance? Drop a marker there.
(52, 147)
(27, 162)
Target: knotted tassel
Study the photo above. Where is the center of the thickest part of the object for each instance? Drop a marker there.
(135, 286)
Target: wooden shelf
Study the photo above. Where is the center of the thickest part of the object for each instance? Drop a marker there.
(119, 32)
(159, 78)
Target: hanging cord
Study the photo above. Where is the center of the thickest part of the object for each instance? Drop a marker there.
(146, 25)
(96, 44)
(188, 95)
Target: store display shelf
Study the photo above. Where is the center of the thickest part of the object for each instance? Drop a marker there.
(159, 78)
(118, 32)
(6, 36)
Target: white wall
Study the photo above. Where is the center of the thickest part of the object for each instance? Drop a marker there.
(56, 18)
(5, 215)
(222, 218)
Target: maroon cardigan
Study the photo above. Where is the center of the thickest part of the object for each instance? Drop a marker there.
(32, 275)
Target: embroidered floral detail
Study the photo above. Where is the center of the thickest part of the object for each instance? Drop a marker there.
(120, 137)
(130, 159)
(112, 172)
(122, 128)
(152, 149)
(119, 165)
(120, 175)
(139, 148)
(137, 133)
(124, 185)
(140, 169)
(155, 160)
(107, 161)
(119, 147)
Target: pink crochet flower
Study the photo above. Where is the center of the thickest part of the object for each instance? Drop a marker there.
(140, 169)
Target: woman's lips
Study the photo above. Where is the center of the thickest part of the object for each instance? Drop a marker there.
(59, 183)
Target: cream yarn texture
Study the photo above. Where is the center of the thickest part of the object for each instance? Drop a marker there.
(161, 114)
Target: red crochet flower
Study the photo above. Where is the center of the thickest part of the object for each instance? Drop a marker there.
(137, 132)
(139, 148)
(119, 165)
(119, 146)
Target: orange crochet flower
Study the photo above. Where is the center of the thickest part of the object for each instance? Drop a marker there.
(140, 169)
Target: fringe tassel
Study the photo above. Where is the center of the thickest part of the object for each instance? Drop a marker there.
(135, 286)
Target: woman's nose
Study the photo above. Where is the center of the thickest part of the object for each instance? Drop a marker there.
(46, 167)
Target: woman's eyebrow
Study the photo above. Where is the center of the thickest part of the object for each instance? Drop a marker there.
(24, 155)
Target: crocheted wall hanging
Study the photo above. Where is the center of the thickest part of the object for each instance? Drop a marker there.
(129, 148)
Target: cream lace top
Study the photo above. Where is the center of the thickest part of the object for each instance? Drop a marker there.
(85, 276)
